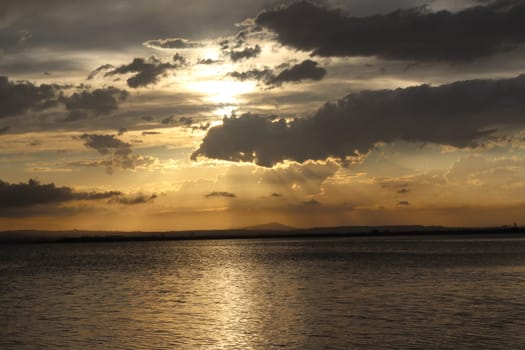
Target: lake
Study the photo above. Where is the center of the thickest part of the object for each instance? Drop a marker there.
(413, 292)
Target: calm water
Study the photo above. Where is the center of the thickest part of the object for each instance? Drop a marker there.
(358, 293)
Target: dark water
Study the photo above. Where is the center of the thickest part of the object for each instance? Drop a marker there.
(358, 293)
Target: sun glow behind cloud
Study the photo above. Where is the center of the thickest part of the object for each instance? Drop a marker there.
(222, 91)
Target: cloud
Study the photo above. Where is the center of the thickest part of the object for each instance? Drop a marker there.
(82, 105)
(403, 203)
(181, 60)
(181, 121)
(248, 52)
(13, 41)
(220, 194)
(457, 114)
(253, 74)
(18, 97)
(305, 70)
(104, 144)
(102, 68)
(207, 61)
(145, 71)
(120, 154)
(174, 43)
(408, 34)
(137, 199)
(35, 193)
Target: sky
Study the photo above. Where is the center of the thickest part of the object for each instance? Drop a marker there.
(179, 115)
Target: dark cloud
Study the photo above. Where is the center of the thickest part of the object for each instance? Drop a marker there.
(403, 203)
(207, 61)
(307, 69)
(409, 34)
(248, 52)
(276, 195)
(120, 155)
(175, 43)
(312, 202)
(85, 104)
(17, 97)
(179, 59)
(35, 193)
(253, 74)
(456, 114)
(202, 127)
(181, 121)
(403, 190)
(104, 144)
(145, 71)
(145, 133)
(4, 129)
(220, 194)
(13, 41)
(103, 25)
(103, 68)
(132, 200)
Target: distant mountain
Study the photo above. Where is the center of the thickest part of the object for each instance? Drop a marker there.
(272, 226)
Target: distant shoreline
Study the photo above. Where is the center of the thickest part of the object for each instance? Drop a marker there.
(77, 236)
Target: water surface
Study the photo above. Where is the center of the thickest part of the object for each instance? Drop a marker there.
(333, 293)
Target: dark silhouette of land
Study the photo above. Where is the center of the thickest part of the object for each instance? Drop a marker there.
(272, 230)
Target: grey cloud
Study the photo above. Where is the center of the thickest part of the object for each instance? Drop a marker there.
(101, 24)
(457, 114)
(409, 34)
(120, 155)
(137, 199)
(12, 41)
(82, 105)
(179, 59)
(181, 121)
(248, 52)
(220, 194)
(35, 193)
(253, 74)
(207, 61)
(145, 71)
(311, 203)
(174, 43)
(17, 97)
(104, 144)
(305, 70)
(202, 127)
(102, 68)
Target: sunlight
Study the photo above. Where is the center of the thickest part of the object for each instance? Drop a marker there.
(224, 111)
(223, 91)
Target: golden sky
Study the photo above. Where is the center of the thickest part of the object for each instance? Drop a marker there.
(189, 115)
